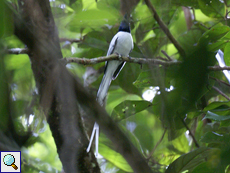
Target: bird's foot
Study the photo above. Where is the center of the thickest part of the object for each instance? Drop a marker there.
(119, 56)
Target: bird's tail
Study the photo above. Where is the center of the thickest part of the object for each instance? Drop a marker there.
(101, 95)
(104, 87)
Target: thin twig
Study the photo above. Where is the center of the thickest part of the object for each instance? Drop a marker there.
(220, 92)
(190, 133)
(162, 137)
(220, 81)
(165, 28)
(226, 3)
(161, 58)
(218, 68)
(165, 54)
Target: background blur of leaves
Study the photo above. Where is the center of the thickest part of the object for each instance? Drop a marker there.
(145, 100)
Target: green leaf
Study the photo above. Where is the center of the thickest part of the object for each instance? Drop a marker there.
(217, 106)
(215, 9)
(92, 18)
(227, 3)
(216, 117)
(145, 79)
(203, 168)
(192, 78)
(129, 108)
(126, 78)
(107, 166)
(217, 45)
(188, 161)
(144, 136)
(6, 20)
(216, 163)
(189, 39)
(93, 45)
(227, 54)
(214, 34)
(191, 3)
(114, 157)
(151, 77)
(212, 137)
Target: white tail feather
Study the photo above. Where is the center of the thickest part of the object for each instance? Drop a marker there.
(101, 95)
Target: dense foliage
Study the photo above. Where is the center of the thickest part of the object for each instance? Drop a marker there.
(178, 116)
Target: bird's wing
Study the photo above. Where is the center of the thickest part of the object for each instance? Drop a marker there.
(119, 68)
(112, 45)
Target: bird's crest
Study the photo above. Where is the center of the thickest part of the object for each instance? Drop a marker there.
(125, 26)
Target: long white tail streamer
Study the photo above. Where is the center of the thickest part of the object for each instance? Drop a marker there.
(95, 130)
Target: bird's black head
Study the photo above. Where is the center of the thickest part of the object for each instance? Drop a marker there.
(124, 26)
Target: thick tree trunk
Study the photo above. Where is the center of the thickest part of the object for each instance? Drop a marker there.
(36, 28)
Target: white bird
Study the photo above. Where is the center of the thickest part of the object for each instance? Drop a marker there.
(121, 44)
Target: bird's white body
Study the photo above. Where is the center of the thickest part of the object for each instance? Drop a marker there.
(121, 44)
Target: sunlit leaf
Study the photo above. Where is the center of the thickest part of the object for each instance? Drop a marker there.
(92, 18)
(114, 158)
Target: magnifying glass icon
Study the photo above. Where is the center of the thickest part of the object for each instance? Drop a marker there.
(9, 160)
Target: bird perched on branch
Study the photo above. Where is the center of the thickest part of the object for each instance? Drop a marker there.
(121, 44)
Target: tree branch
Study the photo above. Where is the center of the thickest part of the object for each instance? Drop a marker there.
(220, 92)
(86, 61)
(218, 68)
(190, 133)
(220, 81)
(188, 17)
(26, 50)
(165, 28)
(169, 58)
(18, 51)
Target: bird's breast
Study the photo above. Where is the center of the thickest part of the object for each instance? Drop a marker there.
(124, 44)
